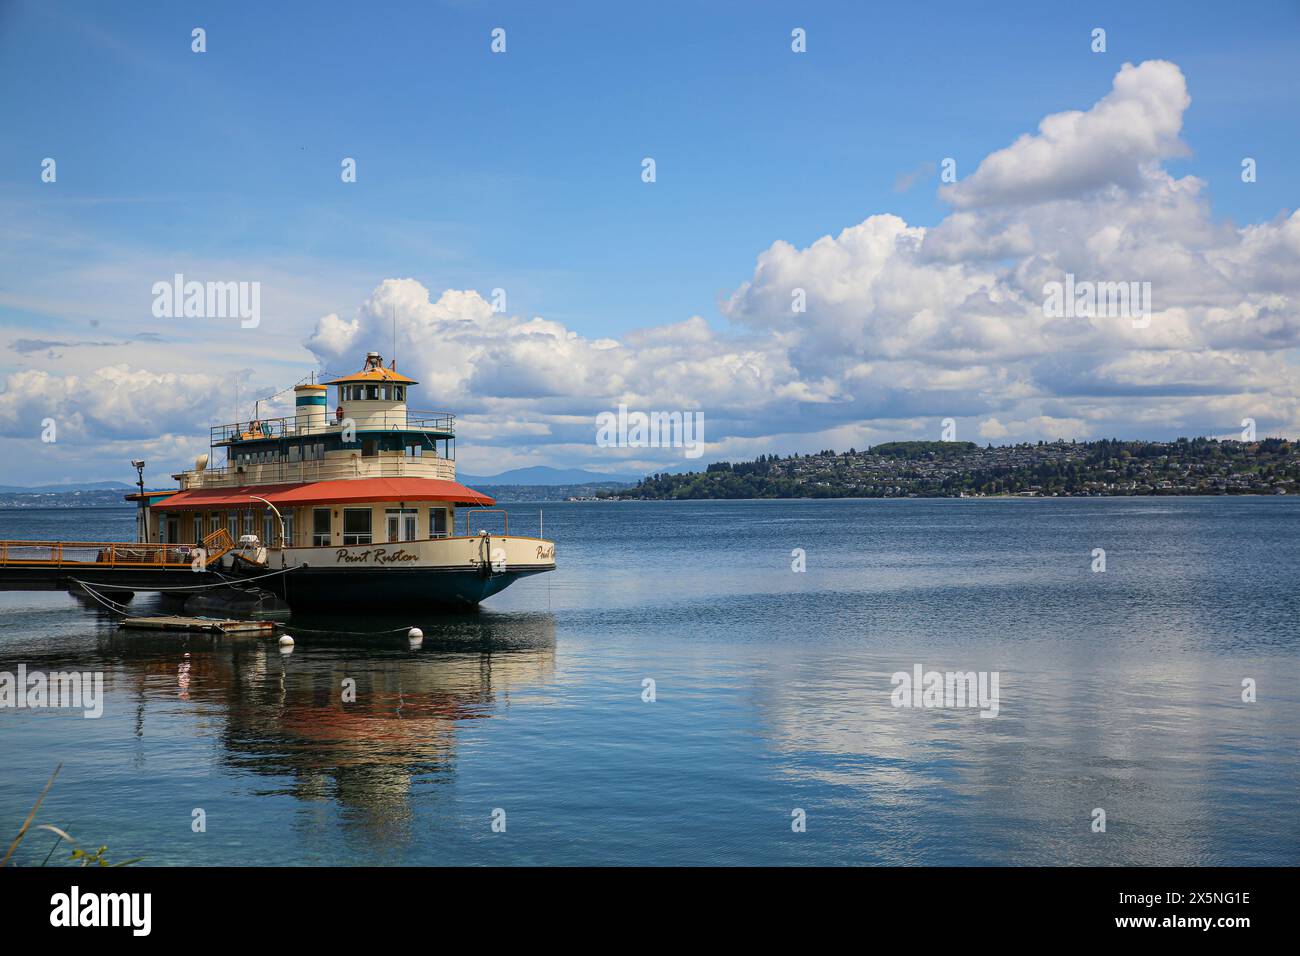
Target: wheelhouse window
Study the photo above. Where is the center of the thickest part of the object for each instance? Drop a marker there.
(437, 522)
(320, 527)
(401, 523)
(399, 393)
(356, 526)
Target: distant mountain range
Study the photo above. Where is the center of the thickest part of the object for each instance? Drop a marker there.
(544, 475)
(535, 475)
(537, 483)
(59, 489)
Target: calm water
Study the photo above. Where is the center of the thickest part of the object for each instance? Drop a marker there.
(1119, 690)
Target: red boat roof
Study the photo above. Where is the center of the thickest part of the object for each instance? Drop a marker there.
(338, 491)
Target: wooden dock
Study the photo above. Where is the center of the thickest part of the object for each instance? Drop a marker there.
(206, 625)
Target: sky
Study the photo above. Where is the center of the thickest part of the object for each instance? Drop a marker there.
(776, 173)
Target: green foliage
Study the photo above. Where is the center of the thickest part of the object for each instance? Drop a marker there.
(921, 449)
(97, 858)
(78, 854)
(950, 469)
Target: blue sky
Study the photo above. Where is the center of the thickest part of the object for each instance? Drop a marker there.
(522, 170)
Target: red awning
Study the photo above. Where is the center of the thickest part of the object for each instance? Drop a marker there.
(340, 491)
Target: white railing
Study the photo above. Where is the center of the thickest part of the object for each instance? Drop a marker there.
(403, 420)
(320, 469)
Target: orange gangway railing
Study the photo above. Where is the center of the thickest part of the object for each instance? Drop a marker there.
(82, 553)
(218, 543)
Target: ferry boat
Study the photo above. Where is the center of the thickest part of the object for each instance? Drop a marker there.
(357, 510)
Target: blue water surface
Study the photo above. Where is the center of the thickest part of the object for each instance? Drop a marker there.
(1119, 690)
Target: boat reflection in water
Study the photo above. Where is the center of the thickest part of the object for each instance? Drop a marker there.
(351, 715)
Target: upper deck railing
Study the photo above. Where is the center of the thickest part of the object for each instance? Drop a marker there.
(441, 423)
(387, 465)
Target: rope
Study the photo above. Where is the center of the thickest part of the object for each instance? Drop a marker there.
(121, 609)
(313, 630)
(323, 374)
(111, 605)
(289, 388)
(225, 582)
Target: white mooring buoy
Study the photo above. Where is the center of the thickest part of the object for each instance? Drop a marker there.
(415, 634)
(286, 640)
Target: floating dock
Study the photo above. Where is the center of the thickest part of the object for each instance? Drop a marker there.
(206, 625)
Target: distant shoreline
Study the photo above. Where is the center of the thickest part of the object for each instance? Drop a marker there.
(998, 497)
(565, 501)
(1104, 468)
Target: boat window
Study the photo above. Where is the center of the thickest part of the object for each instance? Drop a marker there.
(372, 392)
(401, 523)
(437, 522)
(384, 393)
(414, 451)
(248, 522)
(320, 527)
(369, 448)
(399, 393)
(198, 529)
(232, 525)
(268, 528)
(356, 525)
(288, 527)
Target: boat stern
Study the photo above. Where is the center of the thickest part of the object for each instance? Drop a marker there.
(515, 555)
